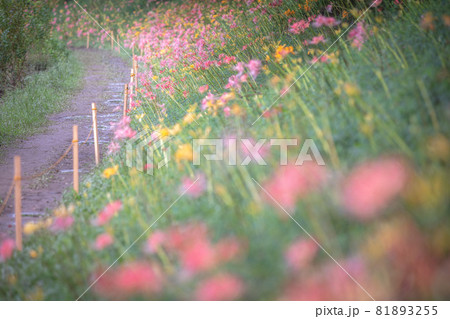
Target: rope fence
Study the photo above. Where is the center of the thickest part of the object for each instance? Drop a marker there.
(17, 179)
(42, 173)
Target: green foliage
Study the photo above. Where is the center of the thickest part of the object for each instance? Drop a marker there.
(24, 27)
(23, 110)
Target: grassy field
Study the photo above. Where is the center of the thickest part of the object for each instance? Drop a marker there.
(24, 110)
(370, 87)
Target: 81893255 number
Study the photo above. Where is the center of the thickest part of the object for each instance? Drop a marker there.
(406, 310)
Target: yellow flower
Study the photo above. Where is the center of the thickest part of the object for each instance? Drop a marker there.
(289, 12)
(237, 110)
(184, 152)
(36, 295)
(439, 147)
(164, 132)
(110, 171)
(188, 119)
(30, 228)
(64, 211)
(12, 279)
(33, 253)
(175, 129)
(427, 22)
(283, 51)
(351, 89)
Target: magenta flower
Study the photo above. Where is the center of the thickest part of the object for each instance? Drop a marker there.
(240, 68)
(113, 147)
(128, 280)
(6, 249)
(220, 287)
(193, 187)
(300, 253)
(292, 182)
(102, 241)
(62, 223)
(254, 67)
(155, 241)
(317, 40)
(299, 26)
(107, 213)
(371, 186)
(325, 21)
(203, 88)
(358, 35)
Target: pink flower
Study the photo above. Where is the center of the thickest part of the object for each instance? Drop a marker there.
(325, 21)
(220, 287)
(6, 249)
(372, 185)
(300, 253)
(299, 26)
(128, 280)
(102, 241)
(203, 88)
(113, 147)
(194, 187)
(317, 40)
(358, 35)
(107, 213)
(208, 101)
(62, 223)
(292, 182)
(254, 67)
(376, 3)
(227, 249)
(240, 68)
(329, 8)
(155, 241)
(122, 130)
(198, 256)
(324, 59)
(233, 82)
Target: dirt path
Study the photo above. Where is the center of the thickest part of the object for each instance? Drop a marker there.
(105, 76)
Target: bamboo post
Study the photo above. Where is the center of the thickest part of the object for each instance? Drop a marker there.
(112, 40)
(18, 202)
(125, 97)
(87, 41)
(94, 125)
(131, 86)
(135, 66)
(75, 158)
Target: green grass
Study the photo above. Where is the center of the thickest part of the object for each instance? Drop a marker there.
(401, 80)
(23, 111)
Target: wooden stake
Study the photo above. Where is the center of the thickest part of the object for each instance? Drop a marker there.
(125, 98)
(112, 40)
(87, 41)
(131, 86)
(118, 46)
(135, 66)
(18, 202)
(94, 125)
(75, 158)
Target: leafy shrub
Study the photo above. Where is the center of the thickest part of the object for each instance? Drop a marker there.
(24, 28)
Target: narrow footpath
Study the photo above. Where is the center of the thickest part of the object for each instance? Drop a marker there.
(104, 79)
